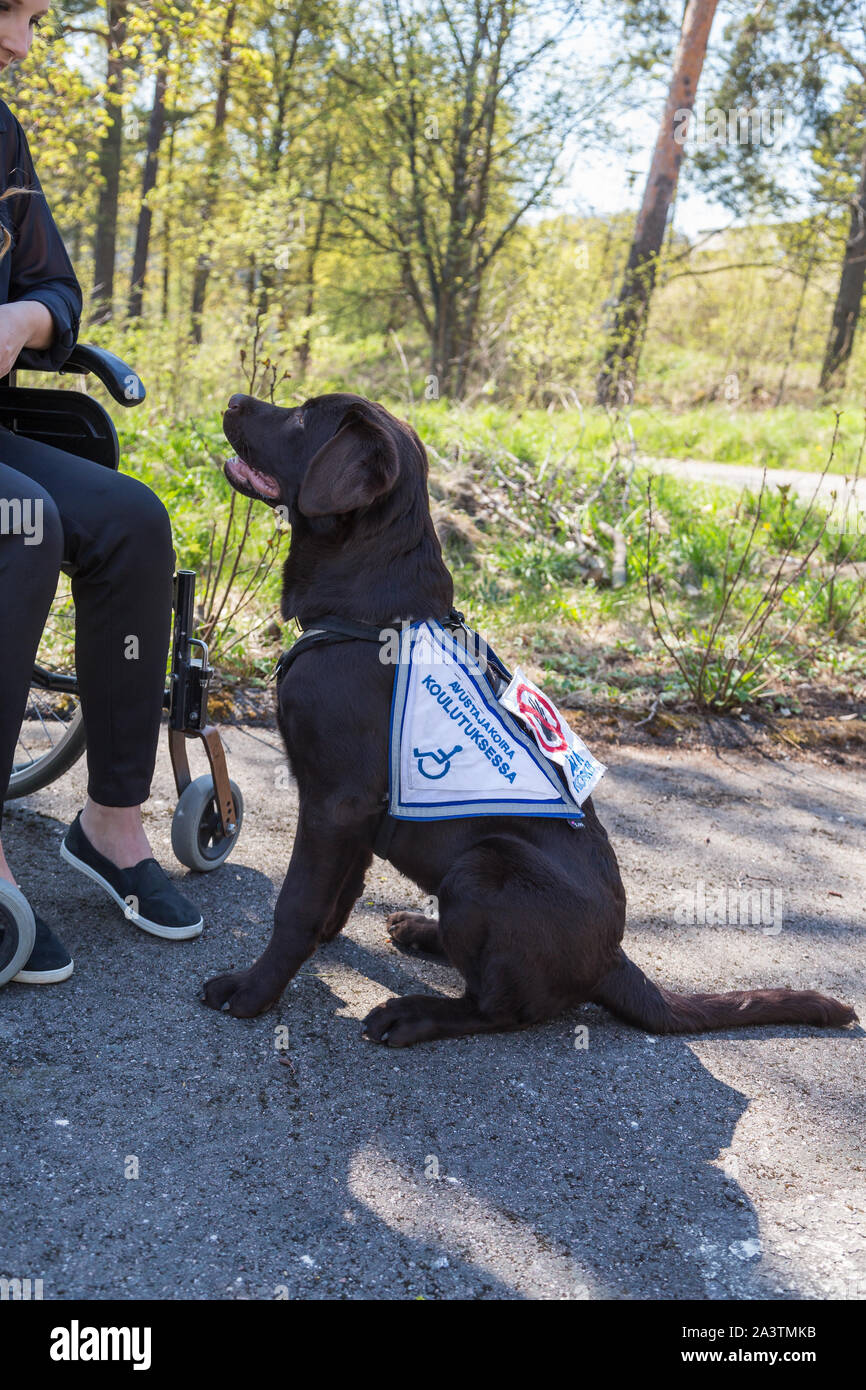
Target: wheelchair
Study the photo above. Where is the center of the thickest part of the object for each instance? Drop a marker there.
(209, 813)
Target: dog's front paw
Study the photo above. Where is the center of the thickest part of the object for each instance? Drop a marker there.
(242, 993)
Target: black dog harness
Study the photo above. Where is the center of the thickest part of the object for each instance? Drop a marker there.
(328, 630)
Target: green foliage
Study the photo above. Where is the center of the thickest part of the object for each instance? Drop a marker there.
(334, 219)
(333, 215)
(529, 592)
(773, 569)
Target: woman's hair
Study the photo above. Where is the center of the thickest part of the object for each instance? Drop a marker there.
(5, 238)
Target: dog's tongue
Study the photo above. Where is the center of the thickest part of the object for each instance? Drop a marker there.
(260, 481)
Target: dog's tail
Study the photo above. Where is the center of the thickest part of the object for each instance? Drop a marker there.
(628, 993)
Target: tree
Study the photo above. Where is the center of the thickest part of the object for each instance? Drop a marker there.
(619, 370)
(807, 57)
(449, 146)
(849, 293)
(155, 133)
(284, 114)
(215, 158)
(315, 243)
(110, 164)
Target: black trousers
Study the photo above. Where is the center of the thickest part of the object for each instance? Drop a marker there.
(114, 534)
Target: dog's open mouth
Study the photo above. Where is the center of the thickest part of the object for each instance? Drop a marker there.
(248, 479)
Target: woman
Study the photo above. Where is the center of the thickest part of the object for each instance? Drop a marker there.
(115, 536)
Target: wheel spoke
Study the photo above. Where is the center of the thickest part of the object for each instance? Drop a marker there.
(51, 717)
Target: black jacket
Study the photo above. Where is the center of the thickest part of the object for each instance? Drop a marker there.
(37, 266)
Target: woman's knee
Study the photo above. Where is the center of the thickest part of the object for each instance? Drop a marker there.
(29, 518)
(52, 541)
(146, 522)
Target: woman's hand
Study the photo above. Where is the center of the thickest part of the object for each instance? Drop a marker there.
(26, 324)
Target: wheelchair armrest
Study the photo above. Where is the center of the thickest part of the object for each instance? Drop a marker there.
(120, 381)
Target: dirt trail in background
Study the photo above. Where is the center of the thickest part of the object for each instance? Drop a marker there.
(737, 475)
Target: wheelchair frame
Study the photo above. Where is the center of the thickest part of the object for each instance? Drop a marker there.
(78, 424)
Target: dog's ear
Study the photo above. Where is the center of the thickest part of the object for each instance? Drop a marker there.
(358, 465)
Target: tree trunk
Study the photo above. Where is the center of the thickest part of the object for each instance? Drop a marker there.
(617, 377)
(167, 230)
(467, 334)
(846, 310)
(798, 313)
(442, 358)
(203, 264)
(305, 347)
(155, 133)
(109, 169)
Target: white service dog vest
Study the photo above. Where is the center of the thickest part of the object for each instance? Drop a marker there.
(459, 748)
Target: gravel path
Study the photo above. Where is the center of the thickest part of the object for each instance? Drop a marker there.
(495, 1167)
(736, 475)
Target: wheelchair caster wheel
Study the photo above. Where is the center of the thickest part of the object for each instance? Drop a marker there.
(17, 931)
(197, 836)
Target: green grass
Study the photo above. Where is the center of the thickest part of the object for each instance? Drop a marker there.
(790, 437)
(526, 592)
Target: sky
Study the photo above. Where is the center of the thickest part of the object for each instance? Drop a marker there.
(600, 185)
(603, 181)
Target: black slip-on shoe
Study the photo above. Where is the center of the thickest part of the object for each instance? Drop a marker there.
(49, 962)
(145, 892)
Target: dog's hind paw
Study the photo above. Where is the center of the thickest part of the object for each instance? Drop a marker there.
(389, 1024)
(241, 993)
(412, 931)
(418, 1018)
(411, 1019)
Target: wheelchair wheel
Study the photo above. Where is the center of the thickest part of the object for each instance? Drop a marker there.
(197, 836)
(17, 931)
(61, 742)
(52, 732)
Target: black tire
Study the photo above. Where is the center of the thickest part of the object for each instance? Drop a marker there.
(17, 931)
(33, 776)
(196, 831)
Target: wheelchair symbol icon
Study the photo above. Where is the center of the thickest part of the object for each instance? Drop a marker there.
(440, 757)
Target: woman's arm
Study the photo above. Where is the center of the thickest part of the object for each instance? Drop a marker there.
(36, 322)
(43, 312)
(27, 324)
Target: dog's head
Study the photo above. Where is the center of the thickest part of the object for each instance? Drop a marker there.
(353, 480)
(328, 457)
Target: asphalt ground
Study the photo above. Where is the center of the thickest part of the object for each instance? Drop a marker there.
(151, 1148)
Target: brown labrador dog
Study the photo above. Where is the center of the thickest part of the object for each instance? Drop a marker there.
(531, 913)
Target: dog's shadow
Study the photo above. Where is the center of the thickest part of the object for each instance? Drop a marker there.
(575, 1159)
